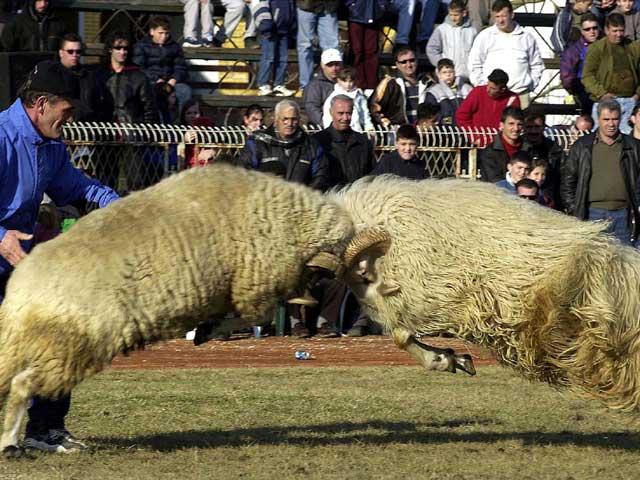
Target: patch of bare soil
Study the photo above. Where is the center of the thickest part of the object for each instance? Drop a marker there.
(243, 350)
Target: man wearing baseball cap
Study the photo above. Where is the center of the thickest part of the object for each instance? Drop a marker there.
(322, 85)
(33, 161)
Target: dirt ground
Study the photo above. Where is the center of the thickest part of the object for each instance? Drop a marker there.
(242, 350)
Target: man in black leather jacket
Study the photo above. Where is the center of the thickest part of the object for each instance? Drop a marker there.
(599, 178)
(36, 29)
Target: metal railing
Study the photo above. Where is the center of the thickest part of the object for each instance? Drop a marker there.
(132, 156)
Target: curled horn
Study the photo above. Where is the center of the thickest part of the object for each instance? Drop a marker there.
(314, 270)
(326, 261)
(365, 239)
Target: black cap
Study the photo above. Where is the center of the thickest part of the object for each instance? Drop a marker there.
(52, 77)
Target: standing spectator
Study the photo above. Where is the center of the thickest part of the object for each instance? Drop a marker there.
(484, 104)
(528, 189)
(453, 39)
(404, 161)
(350, 156)
(600, 176)
(345, 85)
(34, 162)
(631, 16)
(611, 69)
(88, 92)
(319, 89)
(518, 167)
(128, 98)
(493, 159)
(364, 16)
(36, 29)
(506, 45)
(566, 29)
(315, 18)
(448, 93)
(275, 20)
(235, 10)
(479, 13)
(432, 12)
(395, 100)
(162, 59)
(572, 61)
(197, 18)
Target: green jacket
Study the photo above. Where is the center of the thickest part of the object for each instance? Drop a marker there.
(598, 76)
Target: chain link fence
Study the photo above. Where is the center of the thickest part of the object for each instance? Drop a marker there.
(130, 157)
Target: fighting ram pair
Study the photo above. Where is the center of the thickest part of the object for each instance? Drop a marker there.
(554, 298)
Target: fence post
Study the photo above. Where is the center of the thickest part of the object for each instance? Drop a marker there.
(473, 164)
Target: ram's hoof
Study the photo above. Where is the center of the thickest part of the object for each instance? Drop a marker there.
(465, 363)
(11, 451)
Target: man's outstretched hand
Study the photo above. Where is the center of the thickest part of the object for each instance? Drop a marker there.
(10, 248)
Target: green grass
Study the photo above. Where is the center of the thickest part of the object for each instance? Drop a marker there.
(336, 423)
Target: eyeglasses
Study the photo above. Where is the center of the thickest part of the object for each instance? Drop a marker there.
(590, 29)
(408, 60)
(72, 51)
(120, 47)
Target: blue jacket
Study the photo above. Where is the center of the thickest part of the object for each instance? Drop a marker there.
(160, 61)
(30, 166)
(275, 16)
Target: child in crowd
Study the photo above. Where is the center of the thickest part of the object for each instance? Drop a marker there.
(566, 29)
(197, 11)
(428, 115)
(194, 154)
(518, 167)
(275, 20)
(161, 58)
(631, 18)
(538, 173)
(453, 39)
(346, 85)
(448, 93)
(404, 162)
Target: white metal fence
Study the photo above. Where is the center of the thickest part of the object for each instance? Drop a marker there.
(132, 156)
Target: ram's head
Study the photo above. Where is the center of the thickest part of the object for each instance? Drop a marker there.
(358, 267)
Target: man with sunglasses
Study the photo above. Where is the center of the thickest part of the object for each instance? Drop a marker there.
(572, 61)
(395, 100)
(87, 90)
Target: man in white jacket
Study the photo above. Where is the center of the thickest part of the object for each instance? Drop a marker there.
(507, 46)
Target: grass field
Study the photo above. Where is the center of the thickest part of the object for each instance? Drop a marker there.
(336, 423)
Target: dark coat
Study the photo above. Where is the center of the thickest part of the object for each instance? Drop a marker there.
(414, 169)
(29, 32)
(347, 162)
(576, 175)
(298, 160)
(365, 11)
(275, 16)
(160, 61)
(318, 90)
(128, 95)
(318, 6)
(493, 160)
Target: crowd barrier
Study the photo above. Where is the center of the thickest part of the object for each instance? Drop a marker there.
(129, 157)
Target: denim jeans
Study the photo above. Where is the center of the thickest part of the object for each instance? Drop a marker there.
(325, 25)
(626, 104)
(405, 10)
(618, 218)
(274, 56)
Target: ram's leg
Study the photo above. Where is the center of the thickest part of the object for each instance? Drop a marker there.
(432, 358)
(20, 393)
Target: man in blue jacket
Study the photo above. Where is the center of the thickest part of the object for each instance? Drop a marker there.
(33, 161)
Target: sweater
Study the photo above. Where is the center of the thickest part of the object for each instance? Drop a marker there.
(480, 110)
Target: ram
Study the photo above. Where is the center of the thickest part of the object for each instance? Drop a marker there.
(152, 266)
(555, 298)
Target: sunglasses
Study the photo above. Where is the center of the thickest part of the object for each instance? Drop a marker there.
(120, 47)
(590, 29)
(529, 197)
(72, 51)
(408, 60)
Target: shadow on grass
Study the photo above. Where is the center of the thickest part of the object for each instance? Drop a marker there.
(372, 433)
